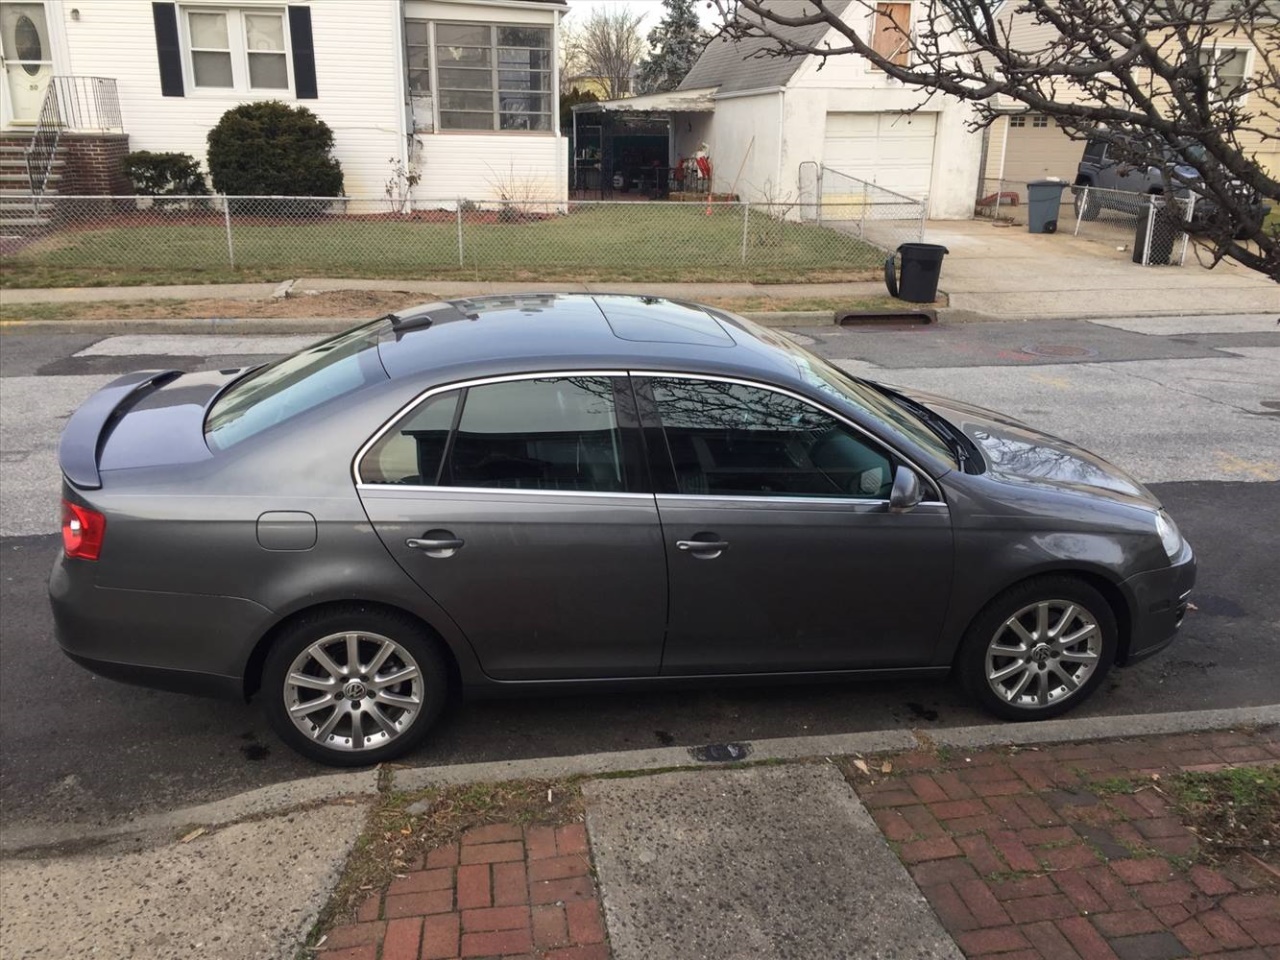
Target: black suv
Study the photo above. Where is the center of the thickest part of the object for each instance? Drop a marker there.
(1114, 164)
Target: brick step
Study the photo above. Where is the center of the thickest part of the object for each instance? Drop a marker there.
(10, 194)
(13, 223)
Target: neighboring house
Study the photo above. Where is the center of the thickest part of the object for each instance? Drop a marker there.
(464, 91)
(1022, 146)
(763, 117)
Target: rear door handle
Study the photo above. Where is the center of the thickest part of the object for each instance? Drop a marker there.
(444, 545)
(703, 549)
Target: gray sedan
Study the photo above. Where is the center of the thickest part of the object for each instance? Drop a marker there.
(568, 492)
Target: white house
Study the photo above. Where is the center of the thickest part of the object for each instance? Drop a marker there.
(463, 90)
(763, 118)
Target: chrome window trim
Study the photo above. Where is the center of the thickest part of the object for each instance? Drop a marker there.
(461, 385)
(506, 491)
(826, 501)
(924, 475)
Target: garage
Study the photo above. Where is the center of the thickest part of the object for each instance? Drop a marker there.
(891, 150)
(1036, 148)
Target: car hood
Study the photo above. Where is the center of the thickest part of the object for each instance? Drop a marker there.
(1017, 453)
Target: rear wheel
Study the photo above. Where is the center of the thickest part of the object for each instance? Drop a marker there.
(1039, 649)
(354, 687)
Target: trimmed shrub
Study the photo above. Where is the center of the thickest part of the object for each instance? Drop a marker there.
(269, 148)
(164, 174)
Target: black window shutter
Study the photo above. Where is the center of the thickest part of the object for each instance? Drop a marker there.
(165, 16)
(304, 54)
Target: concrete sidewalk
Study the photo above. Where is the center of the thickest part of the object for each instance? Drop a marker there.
(855, 846)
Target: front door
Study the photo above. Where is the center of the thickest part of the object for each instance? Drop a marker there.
(518, 506)
(782, 552)
(28, 58)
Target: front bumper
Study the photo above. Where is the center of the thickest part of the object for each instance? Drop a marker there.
(188, 643)
(1158, 604)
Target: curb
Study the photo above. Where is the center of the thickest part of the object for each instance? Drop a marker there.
(282, 796)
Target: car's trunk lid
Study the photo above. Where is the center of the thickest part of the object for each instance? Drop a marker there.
(146, 419)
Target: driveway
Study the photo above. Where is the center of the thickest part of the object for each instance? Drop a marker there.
(1005, 272)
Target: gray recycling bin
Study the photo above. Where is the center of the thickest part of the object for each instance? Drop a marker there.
(1044, 200)
(921, 267)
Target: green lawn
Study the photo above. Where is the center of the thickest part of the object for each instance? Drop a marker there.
(674, 242)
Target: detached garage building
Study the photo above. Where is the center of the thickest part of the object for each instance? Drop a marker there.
(769, 124)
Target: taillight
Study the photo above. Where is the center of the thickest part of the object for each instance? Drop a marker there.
(82, 531)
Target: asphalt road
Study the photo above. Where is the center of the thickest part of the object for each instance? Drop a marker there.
(78, 748)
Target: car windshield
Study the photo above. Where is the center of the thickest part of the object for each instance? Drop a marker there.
(295, 384)
(834, 381)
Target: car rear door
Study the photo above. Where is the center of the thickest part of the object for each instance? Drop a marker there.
(781, 550)
(521, 506)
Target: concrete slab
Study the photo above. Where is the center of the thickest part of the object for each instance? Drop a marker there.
(1175, 326)
(195, 345)
(186, 291)
(246, 892)
(763, 863)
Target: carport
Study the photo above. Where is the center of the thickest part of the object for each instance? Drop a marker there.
(628, 146)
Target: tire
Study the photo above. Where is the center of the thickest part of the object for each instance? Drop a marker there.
(1039, 677)
(369, 715)
(1086, 210)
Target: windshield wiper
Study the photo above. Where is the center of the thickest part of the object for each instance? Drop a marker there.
(955, 440)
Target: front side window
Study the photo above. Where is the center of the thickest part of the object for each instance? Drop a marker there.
(494, 77)
(730, 439)
(552, 433)
(237, 49)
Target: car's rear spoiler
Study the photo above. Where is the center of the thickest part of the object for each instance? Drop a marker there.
(84, 433)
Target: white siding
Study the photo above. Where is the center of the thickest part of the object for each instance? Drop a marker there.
(487, 165)
(357, 77)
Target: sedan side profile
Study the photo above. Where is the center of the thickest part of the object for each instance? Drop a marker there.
(573, 492)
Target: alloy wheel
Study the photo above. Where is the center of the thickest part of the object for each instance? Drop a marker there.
(1043, 654)
(353, 691)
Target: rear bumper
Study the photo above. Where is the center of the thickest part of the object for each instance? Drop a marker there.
(190, 643)
(1158, 601)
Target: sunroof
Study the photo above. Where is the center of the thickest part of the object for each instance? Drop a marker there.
(654, 320)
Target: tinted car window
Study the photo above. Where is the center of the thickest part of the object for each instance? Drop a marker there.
(295, 384)
(411, 452)
(728, 439)
(545, 434)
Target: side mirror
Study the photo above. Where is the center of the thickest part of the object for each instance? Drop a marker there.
(906, 491)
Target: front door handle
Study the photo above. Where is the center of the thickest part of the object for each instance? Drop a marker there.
(703, 549)
(436, 543)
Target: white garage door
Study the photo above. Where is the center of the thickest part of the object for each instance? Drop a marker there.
(891, 150)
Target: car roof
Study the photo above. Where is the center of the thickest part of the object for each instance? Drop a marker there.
(557, 331)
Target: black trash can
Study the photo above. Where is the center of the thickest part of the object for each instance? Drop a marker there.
(1165, 228)
(921, 267)
(1044, 200)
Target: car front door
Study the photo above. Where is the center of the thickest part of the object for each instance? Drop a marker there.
(518, 506)
(781, 550)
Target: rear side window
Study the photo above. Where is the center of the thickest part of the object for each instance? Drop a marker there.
(295, 384)
(553, 433)
(730, 439)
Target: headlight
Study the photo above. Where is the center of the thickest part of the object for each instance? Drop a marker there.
(1170, 536)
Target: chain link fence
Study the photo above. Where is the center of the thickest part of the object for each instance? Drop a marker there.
(52, 240)
(856, 207)
(1152, 227)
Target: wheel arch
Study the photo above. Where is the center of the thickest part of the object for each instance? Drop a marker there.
(252, 679)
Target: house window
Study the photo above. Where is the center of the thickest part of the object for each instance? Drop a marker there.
(1018, 121)
(1226, 70)
(1040, 121)
(493, 77)
(418, 42)
(891, 36)
(237, 49)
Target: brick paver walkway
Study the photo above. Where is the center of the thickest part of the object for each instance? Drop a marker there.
(504, 891)
(1040, 852)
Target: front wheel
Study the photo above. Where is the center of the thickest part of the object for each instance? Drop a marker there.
(1086, 205)
(1039, 649)
(354, 687)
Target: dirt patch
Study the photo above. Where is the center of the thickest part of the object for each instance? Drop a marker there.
(1235, 812)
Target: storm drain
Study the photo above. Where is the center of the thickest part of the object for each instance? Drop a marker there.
(1058, 351)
